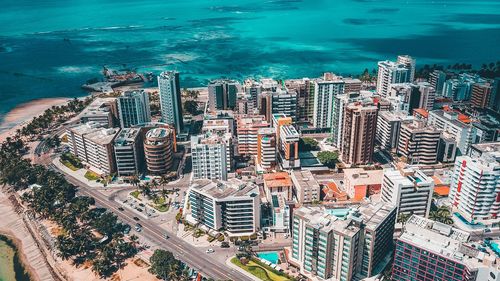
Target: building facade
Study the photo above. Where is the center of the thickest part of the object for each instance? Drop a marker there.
(390, 72)
(266, 149)
(210, 154)
(305, 186)
(222, 94)
(247, 130)
(133, 108)
(159, 148)
(418, 143)
(129, 152)
(360, 123)
(324, 92)
(170, 100)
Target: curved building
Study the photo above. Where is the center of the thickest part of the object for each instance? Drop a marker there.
(159, 150)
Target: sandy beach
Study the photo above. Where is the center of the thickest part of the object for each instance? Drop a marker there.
(17, 117)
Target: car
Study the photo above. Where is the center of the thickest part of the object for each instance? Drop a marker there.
(224, 244)
(139, 209)
(140, 204)
(125, 201)
(126, 229)
(138, 225)
(136, 218)
(121, 209)
(138, 229)
(209, 251)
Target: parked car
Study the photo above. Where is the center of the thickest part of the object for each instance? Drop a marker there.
(209, 251)
(136, 218)
(121, 209)
(224, 244)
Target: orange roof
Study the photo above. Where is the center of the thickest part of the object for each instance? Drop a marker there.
(360, 192)
(463, 118)
(337, 193)
(422, 112)
(437, 180)
(277, 179)
(442, 190)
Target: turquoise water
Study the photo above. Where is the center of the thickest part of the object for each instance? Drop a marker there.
(465, 221)
(48, 48)
(495, 247)
(340, 213)
(271, 257)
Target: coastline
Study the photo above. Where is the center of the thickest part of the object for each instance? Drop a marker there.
(20, 115)
(23, 260)
(13, 227)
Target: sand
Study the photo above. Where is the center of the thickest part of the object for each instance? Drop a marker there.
(22, 114)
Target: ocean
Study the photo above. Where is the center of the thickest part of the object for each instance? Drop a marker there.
(48, 48)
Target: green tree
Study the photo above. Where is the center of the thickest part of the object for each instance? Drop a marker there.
(328, 158)
(164, 265)
(191, 106)
(308, 144)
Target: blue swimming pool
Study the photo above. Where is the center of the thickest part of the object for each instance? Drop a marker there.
(339, 212)
(495, 247)
(271, 257)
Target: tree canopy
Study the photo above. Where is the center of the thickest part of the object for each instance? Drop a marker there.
(328, 158)
(308, 144)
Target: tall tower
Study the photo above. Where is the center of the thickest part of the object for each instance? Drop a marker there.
(390, 72)
(410, 63)
(360, 123)
(133, 108)
(170, 99)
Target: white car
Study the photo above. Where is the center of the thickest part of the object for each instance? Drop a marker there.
(209, 251)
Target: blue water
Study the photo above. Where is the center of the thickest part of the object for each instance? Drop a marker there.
(495, 247)
(271, 257)
(340, 213)
(208, 39)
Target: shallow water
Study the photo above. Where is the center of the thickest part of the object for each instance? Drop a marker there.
(11, 268)
(49, 48)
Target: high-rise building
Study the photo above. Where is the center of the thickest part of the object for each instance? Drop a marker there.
(305, 97)
(390, 72)
(288, 147)
(437, 78)
(247, 130)
(455, 126)
(92, 143)
(409, 63)
(475, 187)
(253, 90)
(348, 246)
(129, 152)
(460, 88)
(429, 250)
(159, 148)
(408, 94)
(266, 149)
(360, 123)
(351, 85)
(170, 100)
(324, 92)
(495, 96)
(388, 126)
(481, 95)
(211, 156)
(306, 187)
(133, 108)
(278, 102)
(427, 95)
(232, 206)
(222, 94)
(410, 190)
(418, 143)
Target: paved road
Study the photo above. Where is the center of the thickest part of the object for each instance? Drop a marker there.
(206, 264)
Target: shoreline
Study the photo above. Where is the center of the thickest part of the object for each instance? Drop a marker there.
(22, 259)
(23, 113)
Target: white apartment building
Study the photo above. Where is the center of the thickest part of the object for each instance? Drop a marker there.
(448, 122)
(390, 72)
(418, 143)
(410, 190)
(306, 188)
(410, 63)
(103, 111)
(232, 206)
(342, 248)
(388, 125)
(475, 187)
(210, 154)
(93, 145)
(266, 149)
(133, 108)
(324, 92)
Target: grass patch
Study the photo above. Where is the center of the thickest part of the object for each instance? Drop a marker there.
(259, 271)
(135, 194)
(160, 204)
(69, 165)
(91, 176)
(160, 208)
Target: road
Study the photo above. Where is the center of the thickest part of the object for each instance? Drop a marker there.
(205, 263)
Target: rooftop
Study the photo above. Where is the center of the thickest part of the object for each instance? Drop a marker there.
(360, 176)
(277, 179)
(305, 179)
(98, 107)
(226, 189)
(127, 136)
(413, 177)
(94, 132)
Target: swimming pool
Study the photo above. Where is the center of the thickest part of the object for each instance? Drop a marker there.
(271, 257)
(495, 247)
(339, 212)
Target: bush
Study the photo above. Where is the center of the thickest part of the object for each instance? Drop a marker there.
(244, 238)
(220, 238)
(308, 144)
(233, 239)
(328, 158)
(253, 236)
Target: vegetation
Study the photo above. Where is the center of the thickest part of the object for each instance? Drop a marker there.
(190, 94)
(328, 158)
(135, 194)
(91, 176)
(166, 267)
(191, 107)
(259, 270)
(367, 77)
(89, 234)
(308, 144)
(71, 161)
(489, 70)
(441, 214)
(403, 218)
